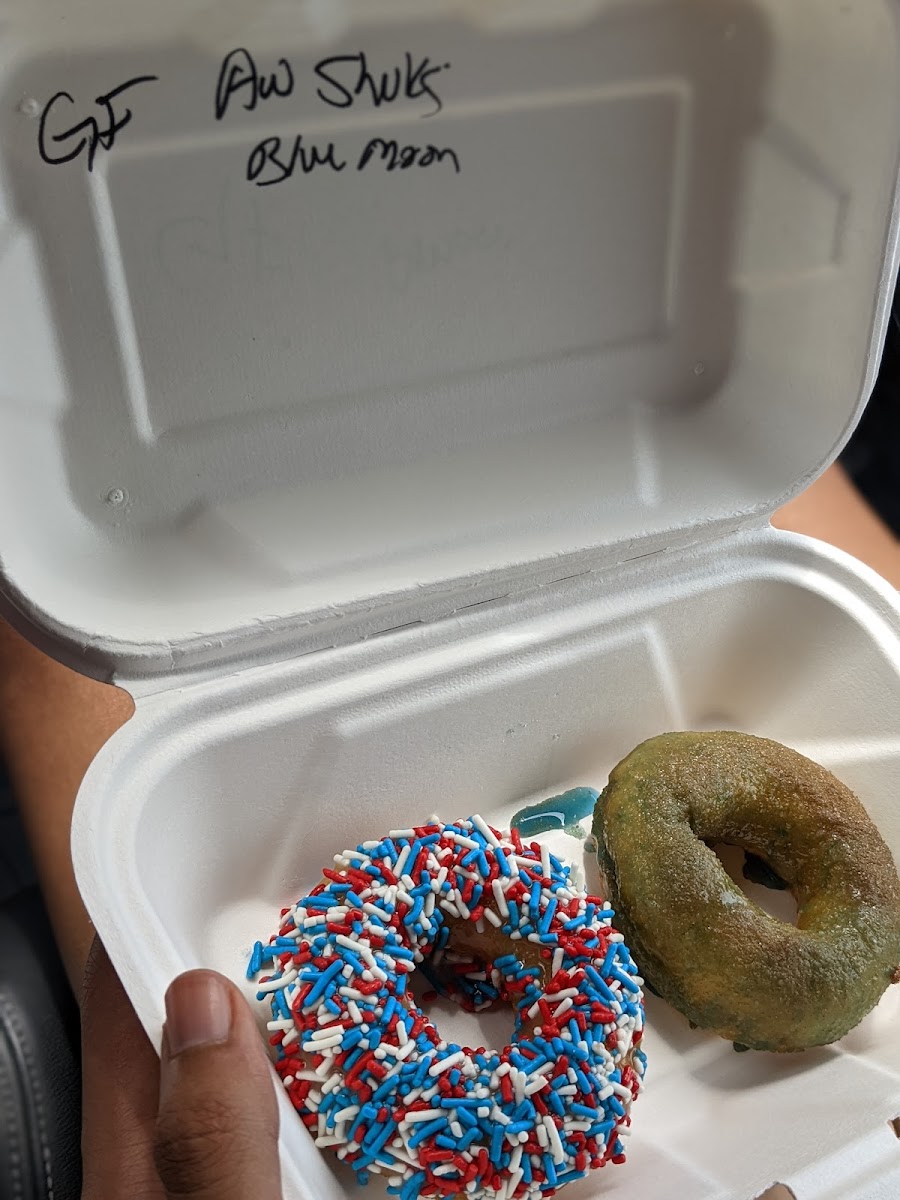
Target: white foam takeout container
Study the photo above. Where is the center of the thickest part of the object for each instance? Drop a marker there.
(386, 492)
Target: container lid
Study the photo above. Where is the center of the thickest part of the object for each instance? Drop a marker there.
(323, 317)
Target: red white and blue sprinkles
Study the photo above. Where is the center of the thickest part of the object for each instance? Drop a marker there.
(369, 1073)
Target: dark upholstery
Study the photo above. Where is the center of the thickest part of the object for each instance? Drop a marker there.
(873, 456)
(40, 1100)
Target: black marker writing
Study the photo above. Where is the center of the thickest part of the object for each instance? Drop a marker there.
(87, 134)
(267, 165)
(271, 162)
(347, 77)
(396, 157)
(239, 74)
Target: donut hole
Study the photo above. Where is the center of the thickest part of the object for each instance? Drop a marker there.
(493, 1027)
(757, 881)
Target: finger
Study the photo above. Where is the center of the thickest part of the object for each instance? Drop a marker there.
(120, 1091)
(217, 1132)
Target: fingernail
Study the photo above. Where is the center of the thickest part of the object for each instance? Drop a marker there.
(198, 1012)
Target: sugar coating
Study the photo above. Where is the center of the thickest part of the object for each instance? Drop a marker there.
(369, 1073)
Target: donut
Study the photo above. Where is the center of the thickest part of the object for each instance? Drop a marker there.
(487, 920)
(703, 945)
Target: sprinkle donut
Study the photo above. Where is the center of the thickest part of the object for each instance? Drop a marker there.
(487, 920)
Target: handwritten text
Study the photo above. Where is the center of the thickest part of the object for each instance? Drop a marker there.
(348, 78)
(62, 145)
(240, 76)
(275, 159)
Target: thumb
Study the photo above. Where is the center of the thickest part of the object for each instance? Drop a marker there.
(217, 1130)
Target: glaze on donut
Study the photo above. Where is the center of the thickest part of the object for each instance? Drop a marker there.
(488, 920)
(707, 948)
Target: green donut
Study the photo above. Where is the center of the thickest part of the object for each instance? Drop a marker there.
(699, 941)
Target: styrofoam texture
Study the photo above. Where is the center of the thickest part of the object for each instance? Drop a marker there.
(219, 804)
(592, 359)
(646, 310)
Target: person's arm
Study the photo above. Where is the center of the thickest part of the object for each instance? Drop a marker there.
(52, 724)
(835, 512)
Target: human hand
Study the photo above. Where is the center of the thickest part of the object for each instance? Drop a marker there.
(202, 1122)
